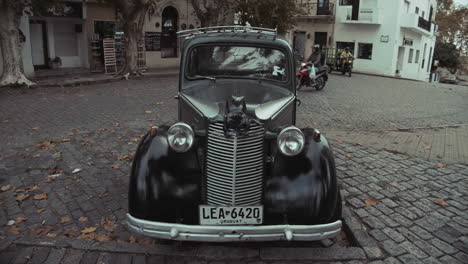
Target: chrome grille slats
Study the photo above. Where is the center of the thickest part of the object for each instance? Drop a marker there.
(234, 167)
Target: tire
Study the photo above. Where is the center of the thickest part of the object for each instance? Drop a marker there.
(320, 83)
(349, 72)
(343, 70)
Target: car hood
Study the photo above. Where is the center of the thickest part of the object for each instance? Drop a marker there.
(262, 99)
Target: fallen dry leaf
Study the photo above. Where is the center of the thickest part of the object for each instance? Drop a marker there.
(20, 219)
(115, 124)
(36, 155)
(65, 140)
(130, 143)
(148, 112)
(135, 139)
(22, 197)
(51, 235)
(340, 141)
(57, 154)
(41, 231)
(32, 188)
(40, 210)
(35, 128)
(428, 148)
(14, 230)
(102, 237)
(88, 230)
(108, 225)
(6, 121)
(104, 194)
(50, 178)
(348, 156)
(41, 196)
(441, 165)
(6, 187)
(158, 103)
(370, 202)
(101, 129)
(115, 166)
(132, 239)
(71, 232)
(123, 157)
(64, 220)
(71, 134)
(46, 145)
(83, 219)
(441, 202)
(90, 163)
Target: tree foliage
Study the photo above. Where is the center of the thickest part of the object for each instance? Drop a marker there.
(277, 14)
(448, 55)
(453, 24)
(213, 12)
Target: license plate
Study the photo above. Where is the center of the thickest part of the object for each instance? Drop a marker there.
(230, 215)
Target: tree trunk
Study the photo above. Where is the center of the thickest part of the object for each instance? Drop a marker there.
(10, 45)
(133, 27)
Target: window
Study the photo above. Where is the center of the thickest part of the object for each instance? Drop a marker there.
(410, 57)
(416, 59)
(346, 2)
(238, 62)
(365, 51)
(417, 10)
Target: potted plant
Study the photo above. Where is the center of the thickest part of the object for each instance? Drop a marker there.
(55, 63)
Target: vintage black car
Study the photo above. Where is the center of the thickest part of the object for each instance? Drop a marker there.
(235, 167)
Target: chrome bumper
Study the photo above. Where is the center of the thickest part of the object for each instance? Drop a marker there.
(233, 233)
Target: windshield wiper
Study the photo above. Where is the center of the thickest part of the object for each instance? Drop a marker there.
(205, 77)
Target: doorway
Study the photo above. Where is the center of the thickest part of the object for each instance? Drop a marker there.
(355, 13)
(299, 44)
(401, 58)
(170, 17)
(38, 37)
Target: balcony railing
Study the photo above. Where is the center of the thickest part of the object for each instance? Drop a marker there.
(424, 24)
(309, 9)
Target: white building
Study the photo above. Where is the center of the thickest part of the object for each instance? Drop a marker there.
(388, 37)
(57, 34)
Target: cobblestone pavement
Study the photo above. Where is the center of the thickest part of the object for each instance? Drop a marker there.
(415, 208)
(445, 144)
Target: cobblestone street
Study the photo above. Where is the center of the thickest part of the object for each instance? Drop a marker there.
(65, 156)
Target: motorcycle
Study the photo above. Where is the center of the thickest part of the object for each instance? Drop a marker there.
(304, 79)
(347, 65)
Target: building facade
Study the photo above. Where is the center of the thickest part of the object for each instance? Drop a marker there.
(392, 38)
(314, 26)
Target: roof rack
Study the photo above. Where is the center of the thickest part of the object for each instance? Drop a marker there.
(268, 32)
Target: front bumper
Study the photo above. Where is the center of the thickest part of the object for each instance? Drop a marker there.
(233, 233)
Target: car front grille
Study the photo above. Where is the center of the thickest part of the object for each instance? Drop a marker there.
(234, 167)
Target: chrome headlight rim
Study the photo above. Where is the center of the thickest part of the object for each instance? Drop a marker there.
(190, 136)
(298, 132)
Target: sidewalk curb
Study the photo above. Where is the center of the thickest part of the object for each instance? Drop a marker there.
(403, 129)
(111, 79)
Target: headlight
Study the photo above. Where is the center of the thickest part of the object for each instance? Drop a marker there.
(180, 137)
(291, 141)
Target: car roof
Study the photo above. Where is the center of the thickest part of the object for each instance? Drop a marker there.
(233, 34)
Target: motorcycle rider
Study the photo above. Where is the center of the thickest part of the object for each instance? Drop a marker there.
(314, 58)
(346, 53)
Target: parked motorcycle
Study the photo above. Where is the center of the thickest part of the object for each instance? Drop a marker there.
(304, 80)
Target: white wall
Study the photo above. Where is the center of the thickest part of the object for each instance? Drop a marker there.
(385, 54)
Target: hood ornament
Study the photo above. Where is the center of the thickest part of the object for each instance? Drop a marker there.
(236, 120)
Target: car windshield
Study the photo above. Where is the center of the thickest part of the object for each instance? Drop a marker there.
(237, 62)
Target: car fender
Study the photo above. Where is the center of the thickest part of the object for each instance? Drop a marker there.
(164, 184)
(304, 188)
